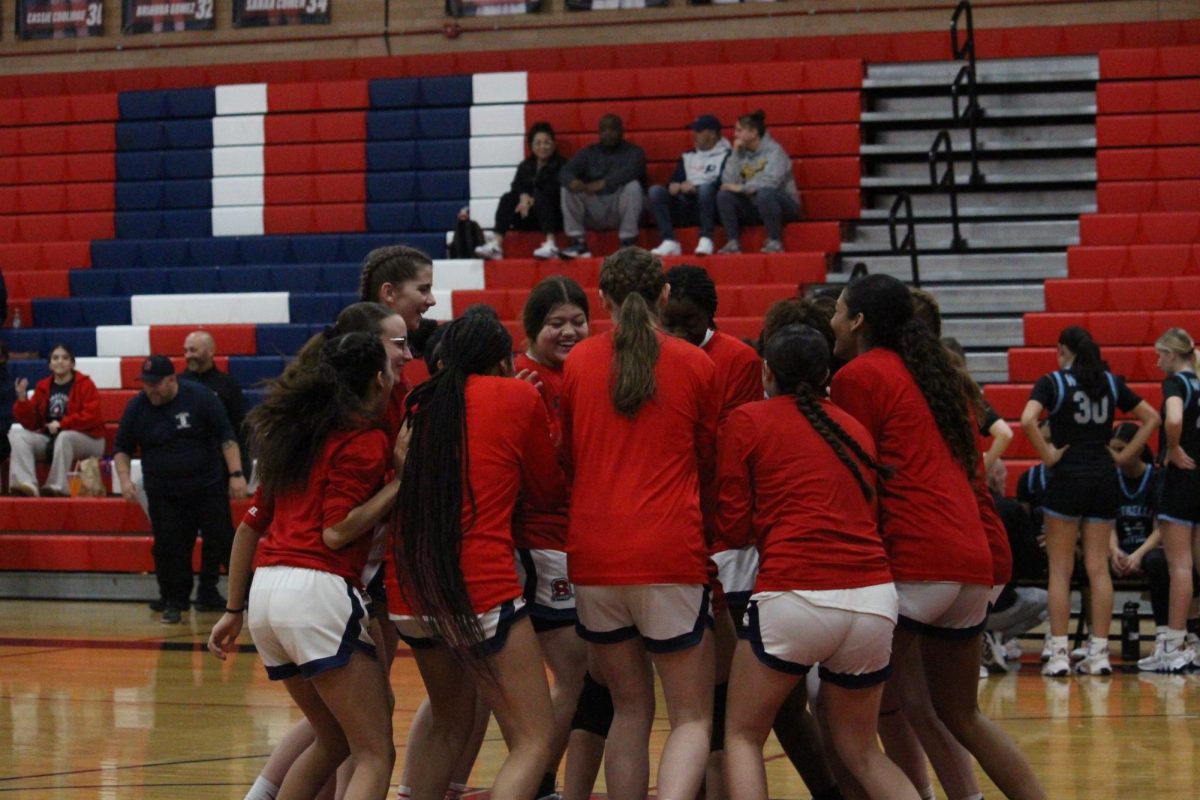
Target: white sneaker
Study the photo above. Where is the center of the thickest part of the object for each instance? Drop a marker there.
(1151, 662)
(993, 653)
(1193, 643)
(704, 247)
(1176, 660)
(1079, 653)
(1047, 649)
(1057, 664)
(983, 672)
(1095, 664)
(489, 250)
(547, 250)
(669, 247)
(1012, 650)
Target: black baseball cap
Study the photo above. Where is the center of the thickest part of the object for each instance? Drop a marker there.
(706, 122)
(155, 368)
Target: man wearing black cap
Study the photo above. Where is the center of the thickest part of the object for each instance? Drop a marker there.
(188, 447)
(690, 197)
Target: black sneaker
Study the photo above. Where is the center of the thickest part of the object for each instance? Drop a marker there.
(209, 600)
(171, 616)
(158, 605)
(576, 249)
(628, 242)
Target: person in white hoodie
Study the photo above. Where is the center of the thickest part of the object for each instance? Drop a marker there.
(690, 196)
(757, 185)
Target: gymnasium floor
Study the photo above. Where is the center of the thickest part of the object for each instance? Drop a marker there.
(98, 700)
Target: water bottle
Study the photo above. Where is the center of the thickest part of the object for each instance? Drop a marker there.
(1131, 633)
(16, 317)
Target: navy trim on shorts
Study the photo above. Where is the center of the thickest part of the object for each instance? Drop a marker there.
(606, 637)
(545, 624)
(508, 617)
(544, 618)
(753, 634)
(350, 643)
(684, 640)
(864, 680)
(416, 642)
(376, 589)
(282, 672)
(935, 632)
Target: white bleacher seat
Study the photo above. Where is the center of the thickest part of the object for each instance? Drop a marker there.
(458, 273)
(483, 210)
(497, 120)
(444, 310)
(490, 181)
(123, 340)
(242, 190)
(497, 151)
(105, 371)
(246, 160)
(500, 87)
(209, 309)
(237, 221)
(238, 130)
(242, 98)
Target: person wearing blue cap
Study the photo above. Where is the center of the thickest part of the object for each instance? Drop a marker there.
(690, 196)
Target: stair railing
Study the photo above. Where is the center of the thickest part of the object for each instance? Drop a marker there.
(970, 112)
(942, 150)
(909, 243)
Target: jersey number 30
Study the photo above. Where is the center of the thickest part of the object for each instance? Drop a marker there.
(1089, 410)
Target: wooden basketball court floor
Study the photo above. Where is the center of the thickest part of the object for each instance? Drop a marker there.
(98, 700)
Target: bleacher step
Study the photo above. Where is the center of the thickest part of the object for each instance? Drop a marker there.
(916, 150)
(991, 70)
(995, 170)
(989, 137)
(870, 237)
(940, 103)
(988, 367)
(941, 117)
(984, 203)
(968, 267)
(963, 181)
(983, 332)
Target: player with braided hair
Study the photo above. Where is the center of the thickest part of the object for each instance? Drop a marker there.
(324, 462)
(797, 475)
(639, 426)
(401, 278)
(478, 438)
(900, 383)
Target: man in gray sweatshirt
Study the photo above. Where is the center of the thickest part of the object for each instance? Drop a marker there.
(757, 186)
(602, 188)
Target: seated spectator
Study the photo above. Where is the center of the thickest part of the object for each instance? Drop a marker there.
(8, 396)
(603, 183)
(690, 196)
(61, 423)
(533, 202)
(757, 186)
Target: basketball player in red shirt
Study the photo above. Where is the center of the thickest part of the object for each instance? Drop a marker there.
(639, 422)
(900, 384)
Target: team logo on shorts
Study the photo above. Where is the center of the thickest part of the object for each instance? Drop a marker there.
(560, 590)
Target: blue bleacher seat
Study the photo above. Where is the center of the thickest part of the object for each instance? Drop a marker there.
(317, 307)
(193, 280)
(394, 92)
(442, 123)
(111, 253)
(254, 396)
(138, 224)
(94, 283)
(446, 90)
(198, 102)
(385, 126)
(105, 310)
(142, 105)
(391, 187)
(187, 194)
(284, 339)
(187, 133)
(444, 185)
(250, 370)
(187, 224)
(81, 312)
(223, 251)
(389, 156)
(391, 217)
(356, 246)
(265, 250)
(158, 253)
(140, 165)
(141, 136)
(41, 340)
(139, 195)
(437, 216)
(444, 154)
(32, 370)
(314, 249)
(188, 164)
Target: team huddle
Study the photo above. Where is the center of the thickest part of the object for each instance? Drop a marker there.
(657, 499)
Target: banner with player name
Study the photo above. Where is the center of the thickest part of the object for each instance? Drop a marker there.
(59, 19)
(167, 16)
(491, 8)
(607, 5)
(255, 13)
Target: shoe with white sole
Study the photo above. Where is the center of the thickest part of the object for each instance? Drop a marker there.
(993, 653)
(1151, 662)
(489, 250)
(704, 247)
(1095, 663)
(547, 250)
(1177, 660)
(669, 247)
(1012, 650)
(576, 249)
(1057, 664)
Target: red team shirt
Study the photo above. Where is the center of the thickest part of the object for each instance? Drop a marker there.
(781, 486)
(930, 520)
(511, 451)
(350, 469)
(542, 528)
(739, 371)
(993, 526)
(635, 501)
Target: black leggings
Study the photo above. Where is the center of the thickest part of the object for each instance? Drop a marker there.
(546, 215)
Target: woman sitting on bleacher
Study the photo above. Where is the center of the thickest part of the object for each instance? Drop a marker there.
(533, 202)
(61, 423)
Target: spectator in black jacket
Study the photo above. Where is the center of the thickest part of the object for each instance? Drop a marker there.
(604, 188)
(199, 348)
(533, 202)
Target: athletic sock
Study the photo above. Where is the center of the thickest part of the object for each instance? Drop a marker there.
(1097, 645)
(546, 788)
(262, 789)
(455, 791)
(927, 793)
(1174, 640)
(1058, 643)
(403, 792)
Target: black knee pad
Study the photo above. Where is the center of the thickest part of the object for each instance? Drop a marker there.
(720, 692)
(594, 711)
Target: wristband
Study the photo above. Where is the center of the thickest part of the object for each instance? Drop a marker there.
(237, 474)
(229, 610)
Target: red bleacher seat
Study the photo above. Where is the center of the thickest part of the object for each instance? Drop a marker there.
(38, 283)
(339, 126)
(1143, 260)
(1142, 97)
(323, 218)
(1160, 62)
(232, 340)
(1132, 363)
(1142, 196)
(333, 187)
(798, 237)
(113, 402)
(1008, 399)
(1181, 227)
(31, 256)
(1110, 327)
(311, 158)
(57, 198)
(1159, 163)
(317, 96)
(1141, 130)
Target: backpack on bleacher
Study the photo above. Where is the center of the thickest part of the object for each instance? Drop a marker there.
(467, 236)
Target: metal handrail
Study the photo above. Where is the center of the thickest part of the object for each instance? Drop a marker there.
(909, 243)
(943, 150)
(970, 113)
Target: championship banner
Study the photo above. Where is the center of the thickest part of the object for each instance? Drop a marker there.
(607, 5)
(257, 13)
(491, 8)
(59, 19)
(159, 16)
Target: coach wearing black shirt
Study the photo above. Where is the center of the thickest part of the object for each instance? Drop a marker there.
(187, 448)
(198, 350)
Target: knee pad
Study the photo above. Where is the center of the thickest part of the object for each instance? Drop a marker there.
(594, 711)
(720, 693)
